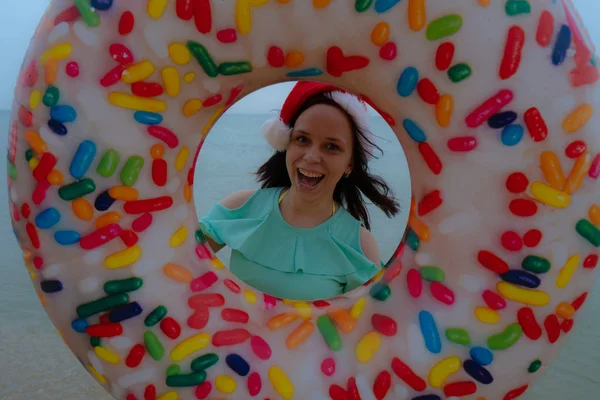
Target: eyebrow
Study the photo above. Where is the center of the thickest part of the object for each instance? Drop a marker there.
(333, 139)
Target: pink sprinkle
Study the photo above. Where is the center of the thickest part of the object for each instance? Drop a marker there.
(16, 214)
(328, 366)
(227, 36)
(231, 285)
(203, 282)
(203, 253)
(594, 171)
(141, 223)
(442, 293)
(269, 300)
(415, 284)
(72, 69)
(164, 134)
(260, 348)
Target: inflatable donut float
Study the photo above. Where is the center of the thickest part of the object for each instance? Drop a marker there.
(493, 103)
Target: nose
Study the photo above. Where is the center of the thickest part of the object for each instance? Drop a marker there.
(312, 155)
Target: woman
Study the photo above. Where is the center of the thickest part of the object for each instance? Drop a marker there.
(305, 234)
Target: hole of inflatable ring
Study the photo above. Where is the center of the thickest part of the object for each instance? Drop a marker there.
(235, 148)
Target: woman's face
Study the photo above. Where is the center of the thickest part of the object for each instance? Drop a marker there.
(320, 151)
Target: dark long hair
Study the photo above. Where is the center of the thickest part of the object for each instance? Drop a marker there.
(349, 190)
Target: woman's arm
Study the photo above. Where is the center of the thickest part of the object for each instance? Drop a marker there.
(369, 246)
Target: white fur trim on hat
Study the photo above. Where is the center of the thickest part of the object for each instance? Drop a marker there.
(276, 133)
(353, 106)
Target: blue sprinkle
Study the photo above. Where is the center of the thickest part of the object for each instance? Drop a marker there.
(47, 218)
(430, 332)
(82, 159)
(148, 118)
(66, 237)
(521, 278)
(415, 132)
(102, 5)
(51, 286)
(427, 397)
(79, 325)
(477, 372)
(57, 127)
(563, 42)
(103, 201)
(237, 364)
(305, 72)
(382, 6)
(502, 119)
(408, 81)
(481, 355)
(512, 135)
(63, 113)
(124, 312)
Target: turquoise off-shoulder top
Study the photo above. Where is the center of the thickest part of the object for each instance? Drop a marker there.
(285, 261)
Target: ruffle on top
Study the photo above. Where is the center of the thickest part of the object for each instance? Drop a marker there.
(258, 231)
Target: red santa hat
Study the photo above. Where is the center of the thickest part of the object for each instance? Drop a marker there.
(277, 130)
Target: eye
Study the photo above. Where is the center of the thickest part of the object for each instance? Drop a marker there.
(333, 147)
(302, 139)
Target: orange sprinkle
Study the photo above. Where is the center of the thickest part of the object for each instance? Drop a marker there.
(575, 178)
(178, 273)
(420, 229)
(109, 218)
(187, 193)
(281, 320)
(123, 193)
(35, 141)
(55, 177)
(343, 319)
(294, 59)
(321, 3)
(27, 255)
(552, 170)
(565, 310)
(299, 335)
(443, 110)
(483, 3)
(380, 34)
(82, 209)
(51, 71)
(157, 151)
(594, 213)
(416, 14)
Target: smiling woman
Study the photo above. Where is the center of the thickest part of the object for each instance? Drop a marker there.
(310, 208)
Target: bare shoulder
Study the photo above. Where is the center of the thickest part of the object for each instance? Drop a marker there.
(368, 244)
(237, 199)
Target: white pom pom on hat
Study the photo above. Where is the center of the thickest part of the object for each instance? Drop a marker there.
(277, 130)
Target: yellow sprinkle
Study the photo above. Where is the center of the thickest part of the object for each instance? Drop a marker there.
(281, 382)
(552, 170)
(521, 295)
(111, 217)
(179, 53)
(550, 196)
(380, 33)
(35, 141)
(580, 169)
(82, 209)
(55, 177)
(189, 346)
(378, 275)
(487, 315)
(136, 103)
(182, 157)
(189, 77)
(34, 99)
(123, 258)
(294, 59)
(106, 355)
(179, 237)
(578, 118)
(442, 370)
(443, 110)
(138, 72)
(123, 193)
(191, 107)
(168, 396)
(594, 213)
(56, 53)
(156, 8)
(212, 121)
(303, 309)
(566, 272)
(416, 14)
(101, 378)
(243, 17)
(178, 273)
(565, 310)
(187, 193)
(216, 263)
(367, 346)
(250, 297)
(357, 308)
(33, 163)
(170, 78)
(225, 384)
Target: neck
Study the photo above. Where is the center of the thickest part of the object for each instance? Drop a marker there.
(306, 214)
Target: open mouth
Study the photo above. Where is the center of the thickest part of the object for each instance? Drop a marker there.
(308, 179)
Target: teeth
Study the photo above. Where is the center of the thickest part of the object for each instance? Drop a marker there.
(310, 174)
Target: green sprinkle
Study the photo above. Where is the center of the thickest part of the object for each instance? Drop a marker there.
(193, 379)
(432, 274)
(51, 96)
(593, 61)
(445, 26)
(131, 170)
(534, 366)
(12, 170)
(506, 339)
(154, 346)
(203, 57)
(155, 316)
(458, 335)
(173, 369)
(200, 238)
(102, 304)
(516, 7)
(235, 68)
(76, 189)
(108, 164)
(380, 291)
(412, 240)
(535, 264)
(95, 341)
(329, 333)
(123, 285)
(586, 229)
(362, 5)
(459, 72)
(28, 155)
(204, 362)
(88, 13)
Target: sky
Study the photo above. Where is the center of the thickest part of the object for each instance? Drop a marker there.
(18, 22)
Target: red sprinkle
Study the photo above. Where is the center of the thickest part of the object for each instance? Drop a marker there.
(575, 149)
(185, 9)
(121, 54)
(442, 293)
(72, 69)
(260, 348)
(336, 392)
(517, 182)
(113, 76)
(545, 29)
(488, 108)
(512, 52)
(38, 262)
(126, 23)
(428, 92)
(387, 117)
(578, 302)
(235, 92)
(384, 324)
(170, 327)
(148, 205)
(328, 366)
(511, 241)
(552, 327)
(203, 16)
(338, 63)
(147, 89)
(526, 319)
(164, 134)
(203, 282)
(382, 384)
(567, 325)
(590, 261)
(584, 75)
(493, 300)
(254, 384)
(523, 207)
(462, 144)
(129, 238)
(320, 303)
(276, 57)
(594, 171)
(353, 393)
(159, 171)
(444, 55)
(532, 237)
(388, 51)
(25, 210)
(206, 300)
(199, 319)
(203, 390)
(130, 397)
(269, 301)
(227, 36)
(431, 158)
(513, 394)
(492, 262)
(100, 236)
(536, 124)
(230, 338)
(211, 101)
(39, 193)
(68, 15)
(25, 116)
(150, 392)
(234, 315)
(47, 162)
(141, 223)
(429, 202)
(33, 236)
(105, 330)
(407, 375)
(414, 282)
(135, 356)
(460, 389)
(231, 285)
(203, 253)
